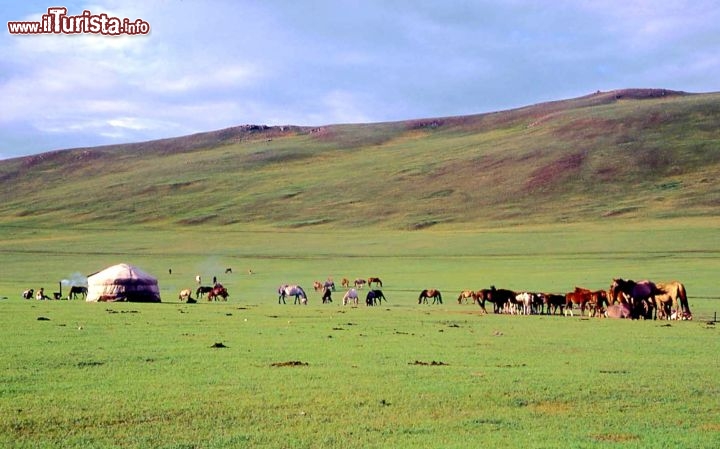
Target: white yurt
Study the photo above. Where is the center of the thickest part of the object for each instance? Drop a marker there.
(122, 282)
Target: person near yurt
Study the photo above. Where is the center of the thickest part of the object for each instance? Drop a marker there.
(123, 282)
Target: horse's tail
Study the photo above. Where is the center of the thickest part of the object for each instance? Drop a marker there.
(682, 294)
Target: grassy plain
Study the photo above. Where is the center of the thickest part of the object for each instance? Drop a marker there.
(145, 375)
(543, 198)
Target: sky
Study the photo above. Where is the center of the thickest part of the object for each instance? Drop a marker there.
(207, 65)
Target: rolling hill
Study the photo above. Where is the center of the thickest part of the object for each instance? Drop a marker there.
(638, 154)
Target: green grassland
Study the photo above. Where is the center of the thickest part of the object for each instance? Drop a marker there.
(399, 375)
(543, 198)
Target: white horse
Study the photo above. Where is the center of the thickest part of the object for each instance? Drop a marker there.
(351, 295)
(525, 301)
(185, 294)
(292, 290)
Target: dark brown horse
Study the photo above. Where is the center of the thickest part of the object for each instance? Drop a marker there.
(76, 290)
(202, 291)
(498, 296)
(553, 302)
(377, 281)
(430, 293)
(640, 296)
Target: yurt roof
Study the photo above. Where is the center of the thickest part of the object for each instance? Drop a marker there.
(118, 273)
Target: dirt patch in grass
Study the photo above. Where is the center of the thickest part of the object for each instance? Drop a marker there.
(433, 363)
(290, 363)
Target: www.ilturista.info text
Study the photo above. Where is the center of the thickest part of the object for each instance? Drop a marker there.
(56, 21)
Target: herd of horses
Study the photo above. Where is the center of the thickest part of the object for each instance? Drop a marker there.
(624, 299)
(214, 293)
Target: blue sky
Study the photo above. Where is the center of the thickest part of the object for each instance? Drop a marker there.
(215, 64)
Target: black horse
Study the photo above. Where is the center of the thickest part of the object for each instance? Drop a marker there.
(374, 297)
(499, 297)
(202, 291)
(327, 295)
(76, 290)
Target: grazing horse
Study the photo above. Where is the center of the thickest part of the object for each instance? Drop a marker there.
(202, 291)
(228, 270)
(499, 297)
(430, 293)
(317, 286)
(218, 292)
(374, 297)
(292, 290)
(359, 283)
(640, 294)
(672, 296)
(76, 290)
(350, 295)
(345, 283)
(28, 294)
(377, 281)
(327, 295)
(185, 294)
(465, 295)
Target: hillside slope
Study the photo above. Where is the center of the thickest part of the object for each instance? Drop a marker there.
(637, 153)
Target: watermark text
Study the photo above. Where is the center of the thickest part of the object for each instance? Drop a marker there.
(57, 21)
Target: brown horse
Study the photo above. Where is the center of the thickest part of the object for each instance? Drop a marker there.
(672, 296)
(580, 296)
(218, 292)
(345, 282)
(359, 282)
(465, 295)
(377, 281)
(430, 293)
(598, 302)
(317, 286)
